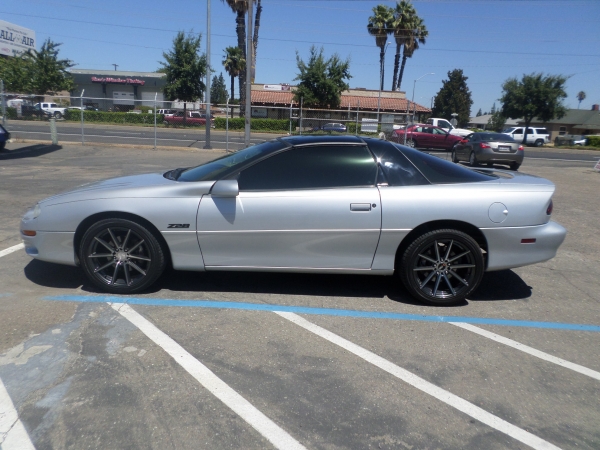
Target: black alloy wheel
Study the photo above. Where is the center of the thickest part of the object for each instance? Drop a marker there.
(120, 256)
(473, 160)
(442, 267)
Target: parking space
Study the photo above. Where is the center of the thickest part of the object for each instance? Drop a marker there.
(238, 360)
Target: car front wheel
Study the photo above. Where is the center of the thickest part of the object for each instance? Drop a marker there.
(454, 158)
(473, 160)
(411, 143)
(57, 115)
(121, 256)
(442, 267)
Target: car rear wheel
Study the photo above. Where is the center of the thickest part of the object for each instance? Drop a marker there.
(454, 158)
(57, 115)
(473, 160)
(121, 256)
(442, 267)
(411, 143)
(539, 143)
(514, 166)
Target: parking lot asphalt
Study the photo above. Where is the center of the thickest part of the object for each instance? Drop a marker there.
(235, 360)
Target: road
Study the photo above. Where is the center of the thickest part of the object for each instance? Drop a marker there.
(259, 360)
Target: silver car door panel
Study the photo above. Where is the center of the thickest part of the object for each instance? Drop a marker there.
(302, 229)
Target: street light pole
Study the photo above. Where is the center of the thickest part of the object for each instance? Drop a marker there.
(413, 102)
(208, 121)
(381, 81)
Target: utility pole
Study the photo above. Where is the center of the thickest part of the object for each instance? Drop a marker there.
(116, 65)
(248, 74)
(208, 121)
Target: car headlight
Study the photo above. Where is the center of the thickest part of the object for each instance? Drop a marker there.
(33, 213)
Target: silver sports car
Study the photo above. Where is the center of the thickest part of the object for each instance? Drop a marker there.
(327, 204)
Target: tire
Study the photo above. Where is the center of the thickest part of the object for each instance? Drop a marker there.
(411, 143)
(514, 166)
(473, 160)
(57, 115)
(539, 143)
(454, 158)
(2, 145)
(165, 122)
(121, 256)
(442, 267)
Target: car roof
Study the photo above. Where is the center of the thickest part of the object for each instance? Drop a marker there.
(307, 140)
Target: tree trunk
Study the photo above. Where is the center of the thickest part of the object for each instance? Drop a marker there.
(401, 71)
(381, 68)
(232, 87)
(184, 113)
(255, 38)
(396, 64)
(241, 35)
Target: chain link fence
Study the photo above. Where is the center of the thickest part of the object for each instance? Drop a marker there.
(152, 123)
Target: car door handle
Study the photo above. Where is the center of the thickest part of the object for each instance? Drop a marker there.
(360, 207)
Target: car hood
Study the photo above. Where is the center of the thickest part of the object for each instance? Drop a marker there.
(460, 132)
(134, 186)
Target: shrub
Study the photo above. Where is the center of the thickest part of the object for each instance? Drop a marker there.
(11, 113)
(113, 117)
(593, 141)
(239, 123)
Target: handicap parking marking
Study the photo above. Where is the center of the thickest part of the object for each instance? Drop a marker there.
(322, 311)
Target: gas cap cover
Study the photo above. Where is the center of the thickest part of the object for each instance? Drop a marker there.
(498, 212)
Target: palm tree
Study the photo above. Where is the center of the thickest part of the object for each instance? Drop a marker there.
(404, 16)
(240, 8)
(234, 64)
(380, 25)
(580, 97)
(417, 36)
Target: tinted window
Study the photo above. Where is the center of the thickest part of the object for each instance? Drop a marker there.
(398, 170)
(496, 137)
(221, 167)
(440, 171)
(312, 168)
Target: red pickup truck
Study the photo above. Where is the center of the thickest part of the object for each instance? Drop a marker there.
(192, 118)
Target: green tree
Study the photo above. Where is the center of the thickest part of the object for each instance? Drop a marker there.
(493, 110)
(234, 63)
(404, 17)
(417, 37)
(453, 97)
(218, 90)
(381, 24)
(38, 73)
(580, 97)
(184, 68)
(321, 80)
(240, 8)
(497, 121)
(534, 95)
(479, 113)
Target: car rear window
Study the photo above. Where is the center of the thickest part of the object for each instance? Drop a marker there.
(440, 171)
(496, 137)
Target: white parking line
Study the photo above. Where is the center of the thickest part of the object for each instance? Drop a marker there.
(261, 423)
(12, 249)
(13, 435)
(532, 351)
(423, 385)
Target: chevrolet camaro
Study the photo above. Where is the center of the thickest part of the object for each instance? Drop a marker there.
(324, 204)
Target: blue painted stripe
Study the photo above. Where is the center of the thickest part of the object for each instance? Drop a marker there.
(322, 311)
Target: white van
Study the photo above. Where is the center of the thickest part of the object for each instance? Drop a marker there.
(535, 135)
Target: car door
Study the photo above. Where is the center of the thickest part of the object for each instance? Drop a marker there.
(517, 134)
(463, 150)
(306, 207)
(439, 138)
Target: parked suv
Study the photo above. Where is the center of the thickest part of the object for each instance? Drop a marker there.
(535, 135)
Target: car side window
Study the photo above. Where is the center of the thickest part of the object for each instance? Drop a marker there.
(518, 131)
(317, 167)
(398, 170)
(437, 131)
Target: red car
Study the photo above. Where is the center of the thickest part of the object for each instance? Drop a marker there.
(426, 136)
(192, 118)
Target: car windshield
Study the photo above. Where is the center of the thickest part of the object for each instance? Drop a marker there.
(217, 168)
(495, 137)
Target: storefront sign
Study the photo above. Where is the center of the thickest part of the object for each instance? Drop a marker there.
(15, 40)
(276, 87)
(111, 80)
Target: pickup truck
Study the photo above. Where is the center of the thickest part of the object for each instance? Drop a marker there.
(52, 108)
(443, 123)
(192, 118)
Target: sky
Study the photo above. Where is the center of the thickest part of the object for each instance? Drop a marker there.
(490, 40)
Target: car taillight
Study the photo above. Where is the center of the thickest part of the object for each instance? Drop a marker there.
(520, 148)
(550, 207)
(482, 145)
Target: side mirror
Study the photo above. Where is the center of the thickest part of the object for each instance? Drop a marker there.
(225, 188)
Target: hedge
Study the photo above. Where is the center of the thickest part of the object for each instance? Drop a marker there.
(239, 123)
(593, 141)
(113, 117)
